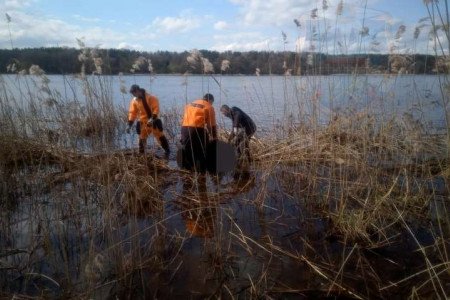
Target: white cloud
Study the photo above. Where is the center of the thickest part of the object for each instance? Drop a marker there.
(247, 41)
(260, 26)
(240, 36)
(85, 19)
(171, 24)
(16, 4)
(125, 45)
(283, 12)
(103, 37)
(239, 46)
(33, 31)
(27, 30)
(386, 18)
(221, 25)
(347, 40)
(272, 12)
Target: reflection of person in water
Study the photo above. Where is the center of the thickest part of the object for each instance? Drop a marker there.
(198, 213)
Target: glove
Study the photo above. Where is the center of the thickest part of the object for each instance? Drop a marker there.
(150, 123)
(157, 124)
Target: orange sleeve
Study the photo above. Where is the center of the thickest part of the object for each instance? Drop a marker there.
(133, 111)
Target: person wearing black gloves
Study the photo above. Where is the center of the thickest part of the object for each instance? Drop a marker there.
(243, 129)
(146, 106)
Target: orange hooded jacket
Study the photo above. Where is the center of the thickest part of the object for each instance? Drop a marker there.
(138, 109)
(199, 114)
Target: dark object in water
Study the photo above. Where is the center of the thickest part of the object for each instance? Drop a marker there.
(220, 157)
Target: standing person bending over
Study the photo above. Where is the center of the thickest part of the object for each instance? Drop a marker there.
(243, 129)
(146, 106)
(199, 122)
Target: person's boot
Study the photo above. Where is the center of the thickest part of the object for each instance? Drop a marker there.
(142, 143)
(165, 144)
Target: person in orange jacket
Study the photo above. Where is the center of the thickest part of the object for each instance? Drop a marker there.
(197, 129)
(146, 107)
(198, 211)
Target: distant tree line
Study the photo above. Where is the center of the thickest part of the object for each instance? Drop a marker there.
(114, 61)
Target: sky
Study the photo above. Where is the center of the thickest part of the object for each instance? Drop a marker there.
(363, 26)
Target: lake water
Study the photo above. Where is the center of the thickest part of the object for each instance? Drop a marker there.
(269, 100)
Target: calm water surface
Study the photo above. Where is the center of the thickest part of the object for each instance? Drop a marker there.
(269, 100)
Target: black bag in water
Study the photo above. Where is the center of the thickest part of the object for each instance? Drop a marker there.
(220, 157)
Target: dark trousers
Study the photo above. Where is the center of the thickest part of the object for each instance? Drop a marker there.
(242, 145)
(193, 143)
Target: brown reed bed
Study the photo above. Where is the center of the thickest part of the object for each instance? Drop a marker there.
(342, 208)
(354, 209)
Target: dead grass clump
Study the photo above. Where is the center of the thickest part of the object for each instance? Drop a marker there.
(171, 120)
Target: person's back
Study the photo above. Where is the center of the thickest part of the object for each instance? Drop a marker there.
(242, 131)
(242, 120)
(199, 114)
(199, 123)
